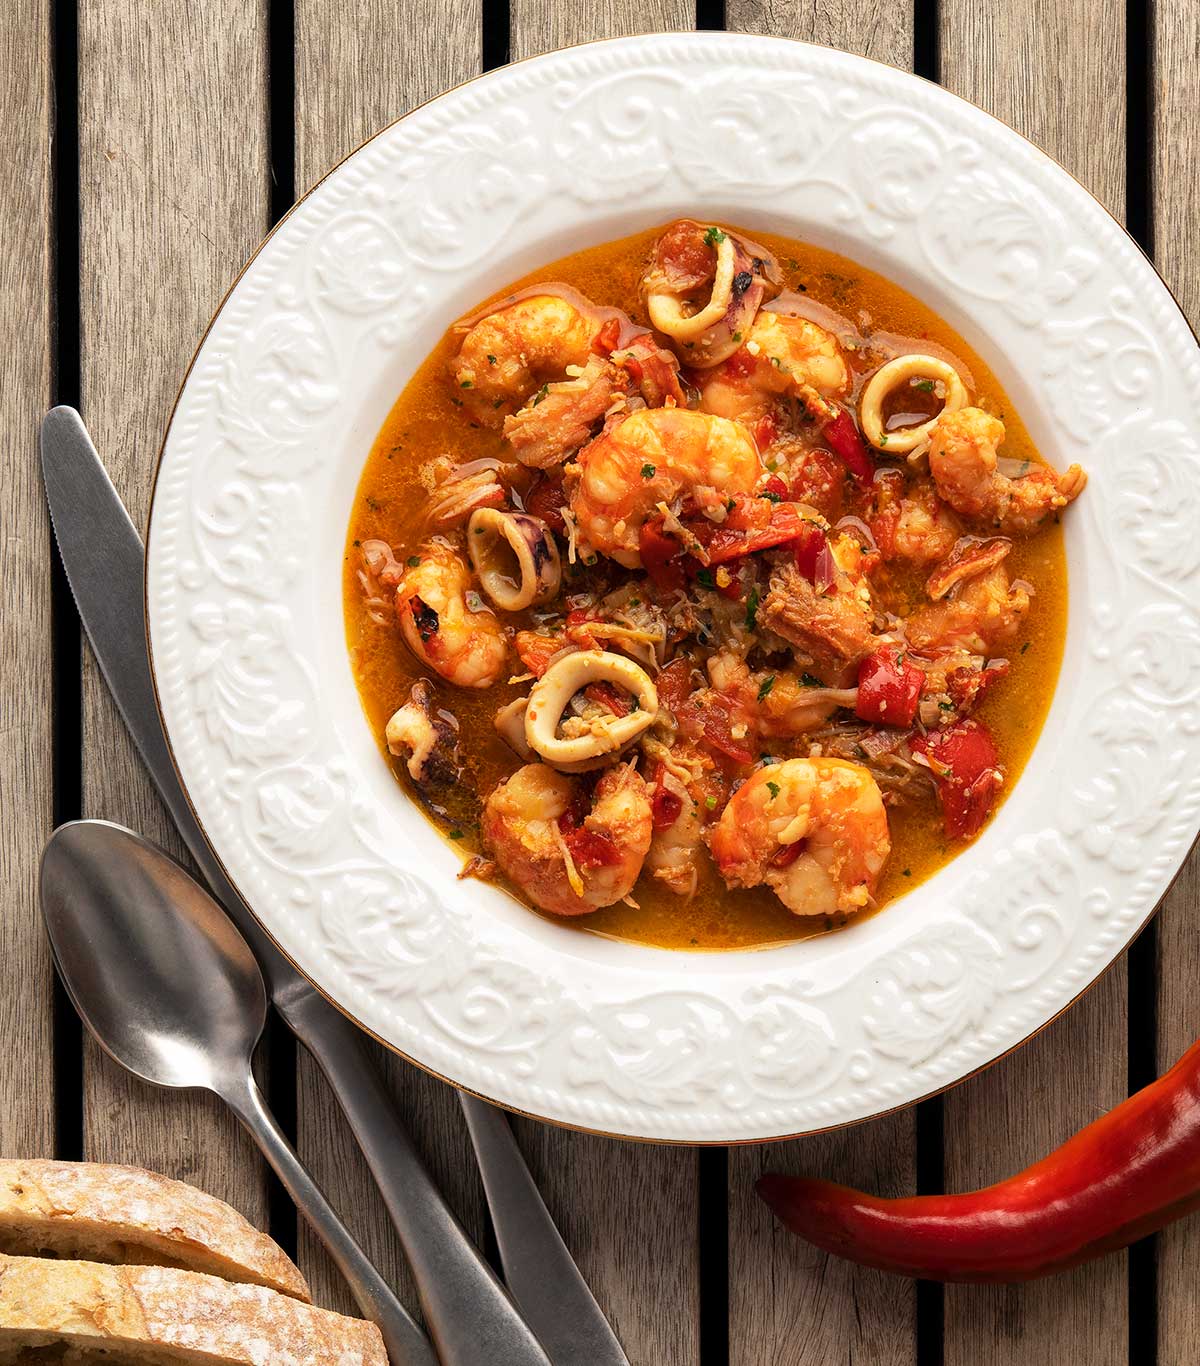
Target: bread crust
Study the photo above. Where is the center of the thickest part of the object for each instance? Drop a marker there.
(159, 1316)
(104, 1213)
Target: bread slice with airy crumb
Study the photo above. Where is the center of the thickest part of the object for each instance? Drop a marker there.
(90, 1312)
(126, 1216)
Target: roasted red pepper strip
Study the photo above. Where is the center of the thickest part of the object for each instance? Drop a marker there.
(843, 439)
(1124, 1176)
(889, 688)
(781, 523)
(967, 771)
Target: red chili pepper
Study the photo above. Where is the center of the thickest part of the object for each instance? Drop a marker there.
(661, 556)
(844, 440)
(1126, 1175)
(787, 854)
(889, 688)
(967, 771)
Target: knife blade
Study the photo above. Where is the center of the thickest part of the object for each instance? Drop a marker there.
(471, 1317)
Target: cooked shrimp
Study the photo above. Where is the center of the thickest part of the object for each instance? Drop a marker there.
(814, 830)
(567, 852)
(507, 356)
(445, 624)
(781, 357)
(911, 523)
(772, 704)
(963, 460)
(651, 458)
(983, 612)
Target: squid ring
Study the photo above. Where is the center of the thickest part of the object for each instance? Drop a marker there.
(887, 378)
(606, 736)
(666, 310)
(515, 557)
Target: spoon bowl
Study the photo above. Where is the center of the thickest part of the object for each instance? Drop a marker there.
(155, 969)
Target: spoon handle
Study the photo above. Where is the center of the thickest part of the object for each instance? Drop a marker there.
(406, 1344)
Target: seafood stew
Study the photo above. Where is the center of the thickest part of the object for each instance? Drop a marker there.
(705, 589)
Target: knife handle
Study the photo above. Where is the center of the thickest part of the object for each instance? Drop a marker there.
(540, 1272)
(469, 1314)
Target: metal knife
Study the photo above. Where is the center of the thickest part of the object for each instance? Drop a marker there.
(471, 1318)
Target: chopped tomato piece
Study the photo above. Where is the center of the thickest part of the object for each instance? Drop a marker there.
(967, 686)
(774, 488)
(739, 365)
(845, 441)
(605, 695)
(718, 732)
(764, 431)
(665, 807)
(820, 482)
(604, 343)
(730, 542)
(889, 688)
(546, 499)
(587, 848)
(536, 650)
(966, 769)
(576, 628)
(674, 684)
(661, 556)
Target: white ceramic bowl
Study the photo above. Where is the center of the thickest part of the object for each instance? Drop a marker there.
(260, 465)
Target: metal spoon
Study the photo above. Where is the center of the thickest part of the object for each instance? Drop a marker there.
(171, 991)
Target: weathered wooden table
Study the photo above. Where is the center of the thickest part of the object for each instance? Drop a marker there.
(145, 148)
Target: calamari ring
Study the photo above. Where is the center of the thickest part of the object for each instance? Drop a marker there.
(887, 378)
(608, 735)
(666, 309)
(515, 557)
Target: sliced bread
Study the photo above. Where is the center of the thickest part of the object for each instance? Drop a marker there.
(88, 1312)
(124, 1215)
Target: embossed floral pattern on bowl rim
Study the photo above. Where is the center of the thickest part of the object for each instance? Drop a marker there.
(244, 570)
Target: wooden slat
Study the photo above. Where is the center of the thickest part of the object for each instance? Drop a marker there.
(1055, 72)
(871, 28)
(789, 1304)
(1175, 207)
(174, 194)
(539, 26)
(358, 68)
(627, 1212)
(26, 759)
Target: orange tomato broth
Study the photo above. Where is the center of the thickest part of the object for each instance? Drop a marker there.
(427, 420)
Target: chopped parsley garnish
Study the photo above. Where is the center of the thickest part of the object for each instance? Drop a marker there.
(764, 688)
(751, 609)
(456, 834)
(497, 403)
(705, 579)
(710, 803)
(491, 359)
(737, 336)
(925, 385)
(541, 394)
(413, 561)
(883, 440)
(946, 706)
(466, 384)
(1025, 646)
(713, 237)
(811, 681)
(648, 471)
(771, 496)
(773, 788)
(908, 872)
